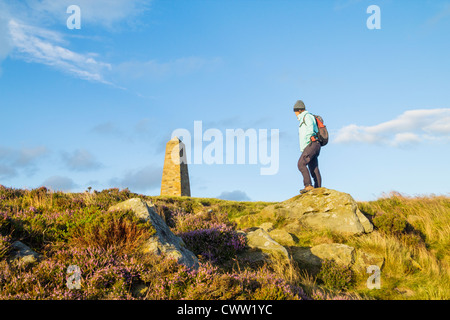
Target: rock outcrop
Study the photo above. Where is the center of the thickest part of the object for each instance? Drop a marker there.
(275, 231)
(164, 240)
(278, 226)
(282, 236)
(21, 252)
(261, 246)
(306, 259)
(312, 258)
(320, 208)
(340, 253)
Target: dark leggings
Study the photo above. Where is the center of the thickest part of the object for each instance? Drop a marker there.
(309, 160)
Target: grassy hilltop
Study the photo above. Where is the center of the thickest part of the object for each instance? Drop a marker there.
(413, 235)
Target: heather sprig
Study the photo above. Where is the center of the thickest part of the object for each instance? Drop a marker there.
(217, 244)
(5, 245)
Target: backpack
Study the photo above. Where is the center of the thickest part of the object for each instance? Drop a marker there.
(322, 135)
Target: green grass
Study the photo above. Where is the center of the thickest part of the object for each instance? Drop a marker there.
(414, 235)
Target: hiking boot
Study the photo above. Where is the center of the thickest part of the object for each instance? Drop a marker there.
(307, 188)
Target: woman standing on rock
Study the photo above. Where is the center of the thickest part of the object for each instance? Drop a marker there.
(309, 147)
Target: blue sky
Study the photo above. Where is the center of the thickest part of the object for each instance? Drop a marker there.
(95, 106)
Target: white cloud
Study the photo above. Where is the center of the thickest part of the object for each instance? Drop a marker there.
(406, 138)
(34, 44)
(105, 13)
(413, 126)
(25, 34)
(21, 38)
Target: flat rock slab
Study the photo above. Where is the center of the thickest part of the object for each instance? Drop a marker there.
(319, 208)
(340, 253)
(311, 258)
(306, 259)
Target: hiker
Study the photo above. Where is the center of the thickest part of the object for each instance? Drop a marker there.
(309, 147)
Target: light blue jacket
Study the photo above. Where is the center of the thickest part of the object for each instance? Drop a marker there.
(306, 129)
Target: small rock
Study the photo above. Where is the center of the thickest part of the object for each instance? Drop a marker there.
(293, 228)
(23, 253)
(311, 259)
(405, 292)
(262, 246)
(306, 259)
(282, 236)
(267, 226)
(340, 253)
(367, 225)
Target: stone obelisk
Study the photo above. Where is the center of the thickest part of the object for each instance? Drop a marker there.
(175, 178)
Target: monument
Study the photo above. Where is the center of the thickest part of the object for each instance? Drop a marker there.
(175, 178)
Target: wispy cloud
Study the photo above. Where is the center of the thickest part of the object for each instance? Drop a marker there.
(80, 160)
(59, 183)
(21, 38)
(444, 13)
(343, 4)
(236, 195)
(104, 13)
(5, 41)
(13, 160)
(7, 172)
(140, 180)
(26, 33)
(34, 44)
(411, 127)
(107, 129)
(157, 70)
